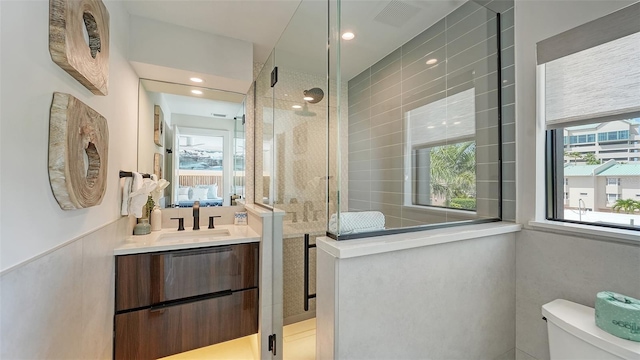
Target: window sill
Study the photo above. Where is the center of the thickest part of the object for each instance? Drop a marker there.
(588, 231)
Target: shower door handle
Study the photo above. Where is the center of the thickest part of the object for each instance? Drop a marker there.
(307, 296)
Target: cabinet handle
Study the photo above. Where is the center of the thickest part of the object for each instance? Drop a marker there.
(202, 252)
(161, 308)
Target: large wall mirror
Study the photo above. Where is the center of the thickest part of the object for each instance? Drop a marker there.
(193, 137)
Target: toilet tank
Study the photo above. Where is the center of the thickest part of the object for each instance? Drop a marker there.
(573, 335)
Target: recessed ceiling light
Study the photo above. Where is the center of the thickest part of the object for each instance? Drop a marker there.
(456, 123)
(297, 107)
(432, 61)
(196, 79)
(429, 127)
(197, 92)
(348, 36)
(444, 123)
(307, 98)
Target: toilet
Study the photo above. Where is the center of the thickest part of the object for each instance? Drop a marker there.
(573, 335)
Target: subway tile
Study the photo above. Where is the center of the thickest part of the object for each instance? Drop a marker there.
(487, 208)
(477, 36)
(386, 140)
(508, 57)
(489, 118)
(361, 145)
(387, 209)
(359, 175)
(392, 69)
(460, 82)
(359, 185)
(478, 69)
(424, 36)
(386, 128)
(357, 93)
(424, 101)
(486, 101)
(411, 69)
(386, 61)
(386, 186)
(386, 105)
(386, 198)
(360, 106)
(392, 222)
(424, 91)
(508, 76)
(359, 165)
(508, 210)
(509, 132)
(393, 115)
(507, 19)
(358, 119)
(487, 154)
(509, 95)
(360, 135)
(359, 195)
(462, 12)
(487, 136)
(383, 85)
(486, 83)
(364, 75)
(387, 163)
(509, 190)
(507, 38)
(500, 6)
(360, 155)
(387, 94)
(487, 172)
(473, 54)
(509, 152)
(386, 151)
(388, 175)
(431, 49)
(471, 22)
(414, 80)
(509, 171)
(487, 189)
(358, 205)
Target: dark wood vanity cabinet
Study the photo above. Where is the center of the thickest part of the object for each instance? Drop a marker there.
(175, 301)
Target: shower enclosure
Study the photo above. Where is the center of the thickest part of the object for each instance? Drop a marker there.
(397, 129)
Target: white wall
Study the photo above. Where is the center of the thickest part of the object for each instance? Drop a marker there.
(552, 266)
(146, 146)
(32, 221)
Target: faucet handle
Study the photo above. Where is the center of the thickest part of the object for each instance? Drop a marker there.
(211, 220)
(180, 223)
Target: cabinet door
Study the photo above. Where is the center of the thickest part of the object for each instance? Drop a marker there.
(159, 332)
(153, 278)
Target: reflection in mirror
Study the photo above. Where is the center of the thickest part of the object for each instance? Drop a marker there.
(202, 147)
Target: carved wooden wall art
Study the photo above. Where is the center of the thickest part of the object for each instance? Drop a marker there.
(78, 153)
(86, 62)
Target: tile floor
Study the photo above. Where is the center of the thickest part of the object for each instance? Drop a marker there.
(299, 343)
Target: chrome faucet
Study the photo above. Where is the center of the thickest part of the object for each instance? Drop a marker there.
(305, 211)
(196, 215)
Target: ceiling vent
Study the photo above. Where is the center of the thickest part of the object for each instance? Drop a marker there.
(219, 115)
(397, 13)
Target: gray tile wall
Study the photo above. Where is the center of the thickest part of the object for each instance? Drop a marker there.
(400, 82)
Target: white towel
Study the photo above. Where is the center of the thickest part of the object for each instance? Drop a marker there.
(355, 222)
(140, 196)
(126, 191)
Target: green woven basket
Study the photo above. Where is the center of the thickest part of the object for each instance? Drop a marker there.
(618, 315)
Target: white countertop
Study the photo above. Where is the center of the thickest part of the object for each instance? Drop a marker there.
(170, 239)
(381, 244)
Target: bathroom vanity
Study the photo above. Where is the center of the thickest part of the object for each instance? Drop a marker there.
(178, 291)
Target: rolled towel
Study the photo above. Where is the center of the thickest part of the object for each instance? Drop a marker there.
(355, 222)
(126, 191)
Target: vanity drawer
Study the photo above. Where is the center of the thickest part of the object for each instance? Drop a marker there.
(163, 331)
(154, 278)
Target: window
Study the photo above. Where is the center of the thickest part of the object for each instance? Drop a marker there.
(578, 95)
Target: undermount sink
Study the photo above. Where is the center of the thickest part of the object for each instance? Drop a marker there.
(194, 235)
